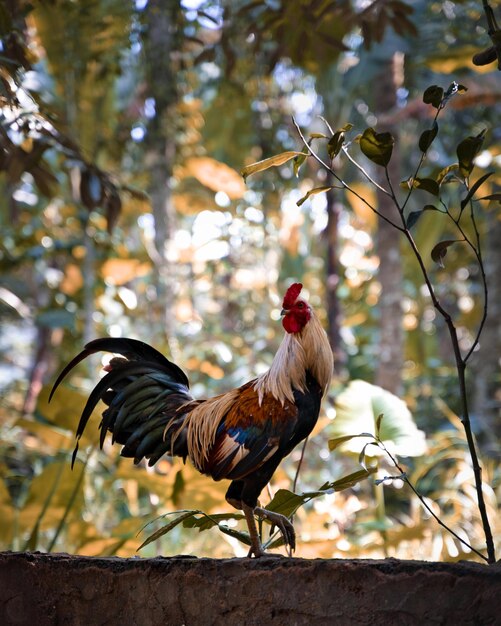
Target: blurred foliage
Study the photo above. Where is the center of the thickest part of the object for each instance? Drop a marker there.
(78, 254)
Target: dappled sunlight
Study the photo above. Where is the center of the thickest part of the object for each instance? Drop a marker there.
(173, 198)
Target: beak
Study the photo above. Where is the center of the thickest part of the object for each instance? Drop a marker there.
(283, 312)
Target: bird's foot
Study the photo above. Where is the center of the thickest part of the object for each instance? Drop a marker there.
(280, 521)
(256, 550)
(283, 524)
(262, 553)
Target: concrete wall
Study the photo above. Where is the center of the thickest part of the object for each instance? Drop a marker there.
(38, 589)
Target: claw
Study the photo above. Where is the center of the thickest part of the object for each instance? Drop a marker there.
(278, 520)
(283, 524)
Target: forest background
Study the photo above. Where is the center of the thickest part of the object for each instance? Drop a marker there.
(123, 130)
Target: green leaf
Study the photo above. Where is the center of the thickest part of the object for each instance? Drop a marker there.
(377, 147)
(72, 500)
(352, 479)
(361, 457)
(286, 502)
(427, 137)
(444, 172)
(492, 196)
(205, 521)
(440, 250)
(358, 408)
(91, 188)
(48, 495)
(467, 150)
(299, 160)
(313, 192)
(236, 534)
(453, 89)
(265, 164)
(433, 95)
(335, 443)
(165, 529)
(425, 184)
(474, 188)
(336, 141)
(414, 216)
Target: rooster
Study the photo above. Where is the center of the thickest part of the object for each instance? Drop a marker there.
(241, 435)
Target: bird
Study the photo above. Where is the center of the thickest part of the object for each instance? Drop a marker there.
(240, 435)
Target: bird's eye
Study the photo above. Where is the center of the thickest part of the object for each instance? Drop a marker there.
(300, 305)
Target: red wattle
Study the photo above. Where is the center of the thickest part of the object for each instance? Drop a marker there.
(291, 324)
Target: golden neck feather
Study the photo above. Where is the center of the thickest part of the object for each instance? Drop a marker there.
(298, 352)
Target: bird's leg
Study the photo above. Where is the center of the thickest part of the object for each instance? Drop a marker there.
(256, 548)
(283, 524)
(277, 519)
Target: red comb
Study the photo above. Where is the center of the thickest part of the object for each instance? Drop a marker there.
(291, 295)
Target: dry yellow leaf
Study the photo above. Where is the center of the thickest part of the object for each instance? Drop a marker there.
(274, 161)
(72, 280)
(121, 271)
(215, 175)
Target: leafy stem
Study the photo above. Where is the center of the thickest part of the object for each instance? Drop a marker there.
(340, 180)
(378, 148)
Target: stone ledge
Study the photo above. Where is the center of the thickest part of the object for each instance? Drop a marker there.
(40, 589)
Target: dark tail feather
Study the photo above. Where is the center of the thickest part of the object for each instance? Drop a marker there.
(144, 395)
(131, 349)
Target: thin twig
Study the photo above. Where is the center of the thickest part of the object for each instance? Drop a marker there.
(478, 253)
(364, 172)
(403, 476)
(298, 469)
(421, 161)
(460, 368)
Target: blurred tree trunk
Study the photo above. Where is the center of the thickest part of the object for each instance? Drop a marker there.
(337, 100)
(161, 40)
(486, 363)
(332, 283)
(391, 339)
